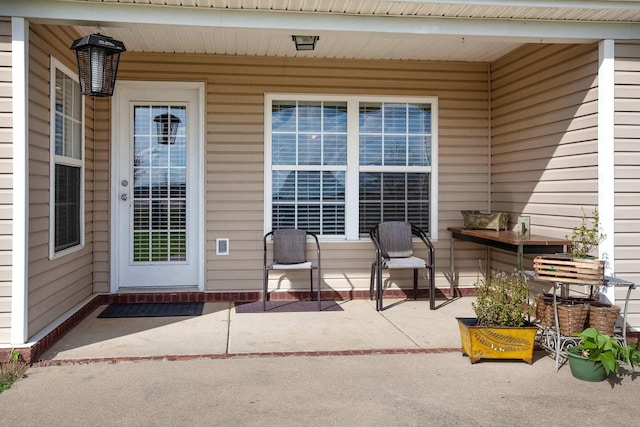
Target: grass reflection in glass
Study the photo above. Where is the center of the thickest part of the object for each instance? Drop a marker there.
(158, 246)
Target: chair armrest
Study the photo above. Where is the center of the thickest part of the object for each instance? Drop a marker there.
(315, 238)
(418, 232)
(266, 236)
(373, 234)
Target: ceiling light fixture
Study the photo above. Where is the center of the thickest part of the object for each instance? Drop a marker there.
(305, 42)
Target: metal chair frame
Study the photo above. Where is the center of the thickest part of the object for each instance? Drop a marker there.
(380, 263)
(278, 266)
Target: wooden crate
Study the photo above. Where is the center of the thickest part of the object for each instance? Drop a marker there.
(564, 269)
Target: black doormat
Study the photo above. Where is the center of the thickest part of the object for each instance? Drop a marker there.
(286, 306)
(145, 309)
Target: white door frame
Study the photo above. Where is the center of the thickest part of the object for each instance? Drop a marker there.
(123, 87)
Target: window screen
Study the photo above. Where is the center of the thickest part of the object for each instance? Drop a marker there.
(395, 150)
(67, 207)
(309, 157)
(66, 160)
(339, 168)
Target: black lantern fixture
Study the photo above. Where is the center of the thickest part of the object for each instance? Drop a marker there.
(305, 42)
(166, 128)
(98, 58)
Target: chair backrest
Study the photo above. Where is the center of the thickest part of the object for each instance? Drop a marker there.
(395, 239)
(289, 246)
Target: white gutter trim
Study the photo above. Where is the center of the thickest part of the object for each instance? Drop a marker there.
(556, 4)
(20, 111)
(606, 157)
(123, 14)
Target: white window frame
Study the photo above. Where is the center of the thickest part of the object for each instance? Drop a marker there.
(353, 167)
(55, 159)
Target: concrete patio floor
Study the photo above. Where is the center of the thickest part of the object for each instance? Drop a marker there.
(401, 366)
(405, 325)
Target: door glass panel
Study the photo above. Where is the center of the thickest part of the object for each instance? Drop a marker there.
(159, 217)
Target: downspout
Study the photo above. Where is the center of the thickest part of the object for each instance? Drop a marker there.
(489, 138)
(20, 220)
(93, 198)
(487, 253)
(606, 158)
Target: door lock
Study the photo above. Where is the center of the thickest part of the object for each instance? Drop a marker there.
(124, 197)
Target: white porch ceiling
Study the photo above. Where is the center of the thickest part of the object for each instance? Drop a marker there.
(332, 45)
(449, 30)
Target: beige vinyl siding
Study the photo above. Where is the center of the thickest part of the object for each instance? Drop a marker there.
(102, 195)
(234, 198)
(627, 171)
(6, 181)
(544, 136)
(55, 286)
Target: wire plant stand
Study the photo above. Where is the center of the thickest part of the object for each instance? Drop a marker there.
(551, 339)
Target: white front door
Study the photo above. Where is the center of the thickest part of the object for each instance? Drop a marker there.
(156, 185)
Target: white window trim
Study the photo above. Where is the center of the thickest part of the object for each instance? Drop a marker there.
(353, 170)
(63, 160)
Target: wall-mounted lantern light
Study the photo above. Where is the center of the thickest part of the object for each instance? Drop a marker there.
(305, 42)
(98, 58)
(166, 128)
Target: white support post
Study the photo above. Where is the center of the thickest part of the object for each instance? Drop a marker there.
(606, 160)
(20, 107)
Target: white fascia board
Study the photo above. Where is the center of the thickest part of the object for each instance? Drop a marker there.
(556, 4)
(119, 14)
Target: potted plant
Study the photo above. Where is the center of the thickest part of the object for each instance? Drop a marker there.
(598, 355)
(585, 237)
(500, 329)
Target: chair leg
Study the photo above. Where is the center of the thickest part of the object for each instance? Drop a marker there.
(415, 283)
(432, 289)
(319, 278)
(265, 285)
(372, 280)
(379, 287)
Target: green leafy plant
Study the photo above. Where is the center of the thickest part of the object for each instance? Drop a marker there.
(586, 236)
(603, 348)
(12, 370)
(503, 300)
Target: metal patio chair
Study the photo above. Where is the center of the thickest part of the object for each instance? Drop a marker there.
(290, 253)
(394, 250)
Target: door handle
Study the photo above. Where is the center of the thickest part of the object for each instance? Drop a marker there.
(124, 197)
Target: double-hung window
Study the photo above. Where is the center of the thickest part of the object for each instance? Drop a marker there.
(67, 162)
(338, 165)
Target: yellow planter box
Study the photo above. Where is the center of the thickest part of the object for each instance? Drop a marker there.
(484, 342)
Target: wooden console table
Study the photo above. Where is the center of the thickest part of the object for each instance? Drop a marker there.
(507, 241)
